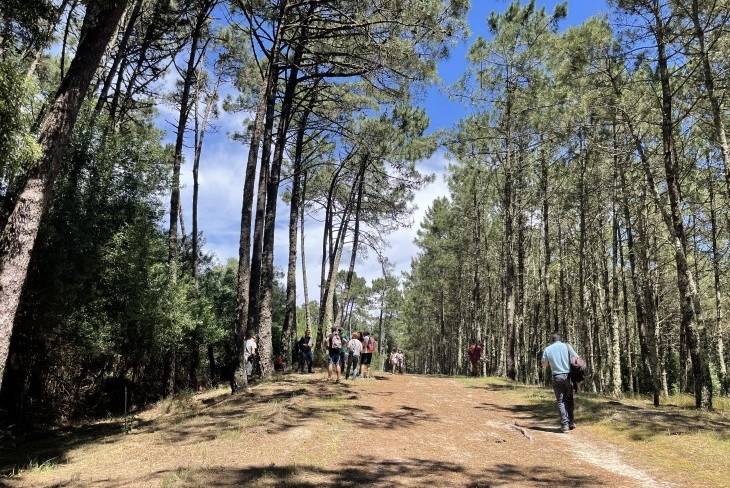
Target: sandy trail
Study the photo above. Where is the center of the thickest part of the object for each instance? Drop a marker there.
(392, 431)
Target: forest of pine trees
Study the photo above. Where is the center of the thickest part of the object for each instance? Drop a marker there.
(589, 192)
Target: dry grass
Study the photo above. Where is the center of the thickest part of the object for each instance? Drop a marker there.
(203, 424)
(692, 444)
(294, 432)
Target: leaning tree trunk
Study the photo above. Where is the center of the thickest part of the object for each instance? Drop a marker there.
(120, 54)
(267, 257)
(20, 232)
(355, 239)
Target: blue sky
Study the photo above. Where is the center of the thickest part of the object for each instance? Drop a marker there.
(223, 160)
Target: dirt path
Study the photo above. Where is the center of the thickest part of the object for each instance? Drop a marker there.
(390, 431)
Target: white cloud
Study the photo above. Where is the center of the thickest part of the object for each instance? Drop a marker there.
(222, 170)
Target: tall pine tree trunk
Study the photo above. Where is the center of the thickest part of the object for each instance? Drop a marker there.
(719, 333)
(240, 380)
(20, 232)
(355, 239)
(691, 311)
(267, 258)
(289, 329)
(710, 91)
(305, 286)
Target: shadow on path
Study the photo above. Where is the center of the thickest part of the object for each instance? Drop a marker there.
(50, 447)
(381, 474)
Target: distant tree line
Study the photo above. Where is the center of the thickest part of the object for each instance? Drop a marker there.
(590, 196)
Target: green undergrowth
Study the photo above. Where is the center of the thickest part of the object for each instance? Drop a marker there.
(694, 445)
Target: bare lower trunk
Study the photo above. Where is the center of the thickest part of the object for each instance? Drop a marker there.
(267, 258)
(19, 235)
(691, 311)
(289, 329)
(244, 253)
(355, 238)
(718, 332)
(305, 287)
(615, 351)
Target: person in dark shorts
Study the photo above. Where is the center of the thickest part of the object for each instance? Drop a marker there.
(368, 347)
(334, 344)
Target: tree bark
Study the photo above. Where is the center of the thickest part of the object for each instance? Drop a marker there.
(20, 232)
(691, 311)
(272, 192)
(305, 286)
(121, 54)
(268, 91)
(615, 351)
(289, 329)
(719, 333)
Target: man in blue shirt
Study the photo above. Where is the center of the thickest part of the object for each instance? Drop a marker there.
(558, 355)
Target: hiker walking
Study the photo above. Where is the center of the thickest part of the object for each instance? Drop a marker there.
(354, 347)
(558, 355)
(334, 345)
(393, 362)
(305, 351)
(475, 356)
(401, 361)
(368, 348)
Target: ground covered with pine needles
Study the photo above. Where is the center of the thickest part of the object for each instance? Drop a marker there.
(394, 430)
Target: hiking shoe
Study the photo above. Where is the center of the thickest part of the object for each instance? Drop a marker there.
(565, 429)
(571, 425)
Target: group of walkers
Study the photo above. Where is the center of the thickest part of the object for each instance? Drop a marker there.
(397, 361)
(351, 355)
(354, 355)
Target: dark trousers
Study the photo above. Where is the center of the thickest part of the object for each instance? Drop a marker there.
(563, 398)
(305, 357)
(351, 362)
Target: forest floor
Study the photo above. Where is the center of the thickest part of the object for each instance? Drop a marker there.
(390, 431)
